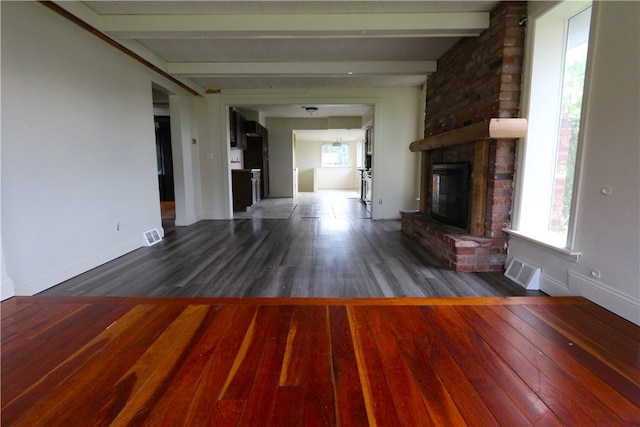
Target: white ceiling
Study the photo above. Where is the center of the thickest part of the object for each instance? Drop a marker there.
(244, 45)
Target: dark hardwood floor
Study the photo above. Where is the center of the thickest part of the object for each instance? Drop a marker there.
(96, 361)
(316, 245)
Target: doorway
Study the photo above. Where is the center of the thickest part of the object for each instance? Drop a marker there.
(164, 160)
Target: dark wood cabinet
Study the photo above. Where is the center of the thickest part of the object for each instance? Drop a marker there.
(256, 156)
(253, 128)
(237, 134)
(245, 184)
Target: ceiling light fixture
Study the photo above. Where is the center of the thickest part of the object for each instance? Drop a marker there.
(310, 110)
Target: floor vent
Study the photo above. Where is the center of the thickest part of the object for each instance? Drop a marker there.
(152, 237)
(524, 274)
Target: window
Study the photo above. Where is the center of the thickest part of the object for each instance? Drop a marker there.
(559, 55)
(335, 155)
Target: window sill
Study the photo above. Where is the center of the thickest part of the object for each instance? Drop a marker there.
(566, 253)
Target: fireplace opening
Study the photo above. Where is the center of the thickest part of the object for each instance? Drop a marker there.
(450, 193)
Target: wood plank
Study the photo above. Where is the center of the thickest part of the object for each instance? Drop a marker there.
(479, 188)
(295, 365)
(424, 181)
(378, 397)
(45, 384)
(320, 406)
(621, 383)
(348, 385)
(27, 324)
(12, 306)
(545, 352)
(598, 339)
(569, 399)
(490, 129)
(220, 364)
(78, 375)
(182, 389)
(436, 372)
(511, 402)
(36, 357)
(621, 325)
(241, 376)
(157, 363)
(408, 396)
(601, 334)
(289, 407)
(262, 397)
(225, 413)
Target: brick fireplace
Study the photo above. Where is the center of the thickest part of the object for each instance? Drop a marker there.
(478, 79)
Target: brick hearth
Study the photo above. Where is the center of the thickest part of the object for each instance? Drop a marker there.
(454, 246)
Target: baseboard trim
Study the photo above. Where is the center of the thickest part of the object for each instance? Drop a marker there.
(553, 287)
(7, 289)
(49, 280)
(605, 295)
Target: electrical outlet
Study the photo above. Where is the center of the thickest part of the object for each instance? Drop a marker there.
(379, 201)
(118, 227)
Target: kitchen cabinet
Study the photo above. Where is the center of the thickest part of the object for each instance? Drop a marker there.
(256, 155)
(237, 134)
(245, 185)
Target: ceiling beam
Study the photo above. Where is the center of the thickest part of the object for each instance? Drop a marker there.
(328, 68)
(97, 33)
(433, 24)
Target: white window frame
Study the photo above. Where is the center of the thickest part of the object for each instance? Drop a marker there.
(551, 97)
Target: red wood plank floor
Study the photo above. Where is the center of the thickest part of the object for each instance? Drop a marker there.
(519, 361)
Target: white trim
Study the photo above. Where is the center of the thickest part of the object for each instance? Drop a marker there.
(7, 289)
(563, 10)
(566, 253)
(553, 287)
(624, 305)
(49, 280)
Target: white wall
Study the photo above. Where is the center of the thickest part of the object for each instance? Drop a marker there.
(396, 124)
(78, 149)
(280, 157)
(608, 226)
(186, 165)
(309, 162)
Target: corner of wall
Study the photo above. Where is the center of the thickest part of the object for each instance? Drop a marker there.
(626, 306)
(7, 288)
(53, 278)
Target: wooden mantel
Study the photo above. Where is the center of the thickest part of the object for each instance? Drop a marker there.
(490, 129)
(480, 134)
